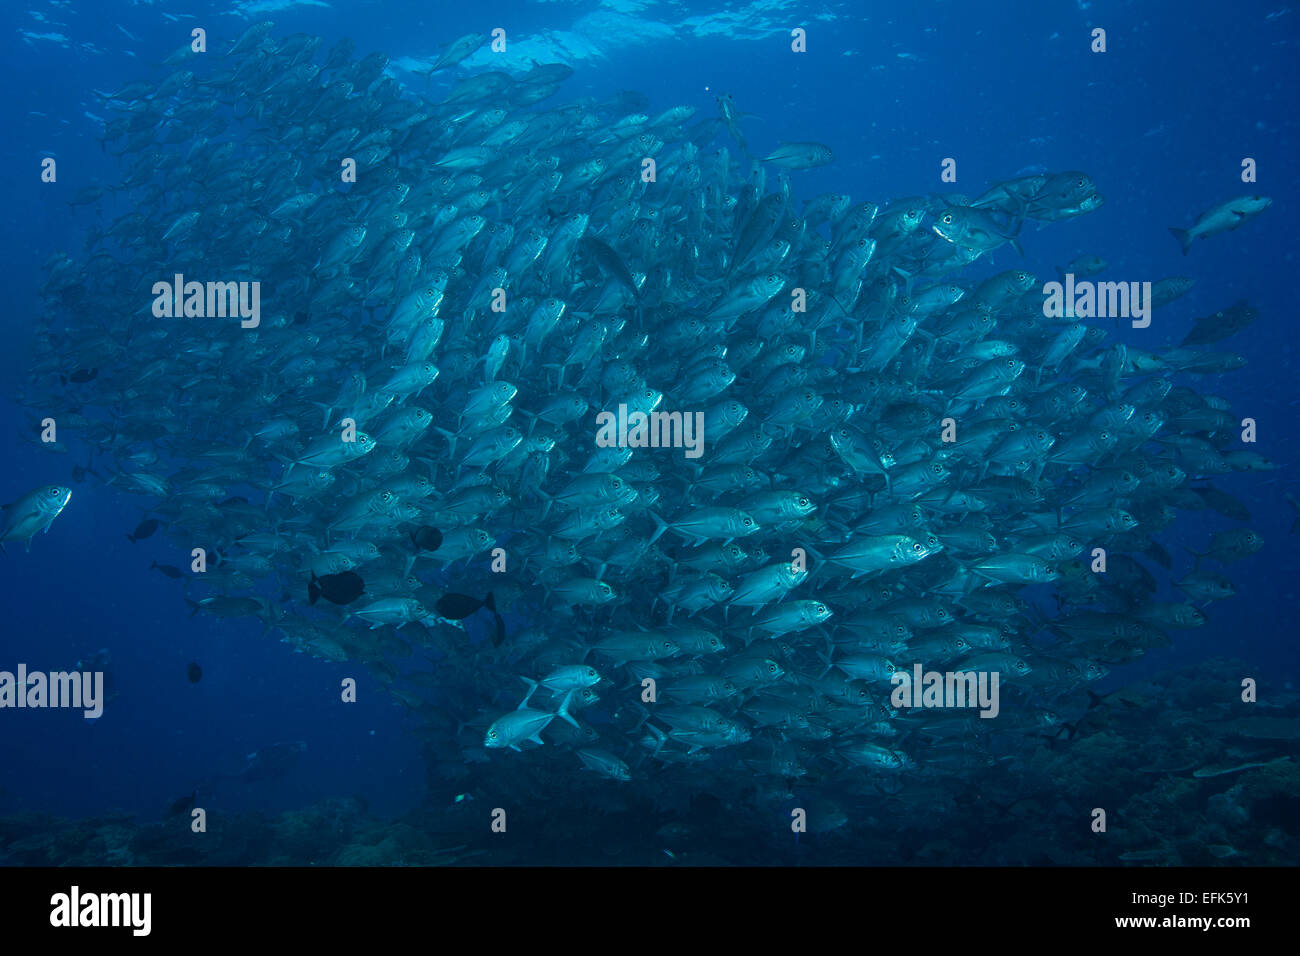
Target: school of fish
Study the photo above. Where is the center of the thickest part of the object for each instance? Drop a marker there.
(903, 460)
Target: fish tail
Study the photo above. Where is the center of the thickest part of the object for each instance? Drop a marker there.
(532, 689)
(1183, 236)
(563, 711)
(660, 527)
(828, 661)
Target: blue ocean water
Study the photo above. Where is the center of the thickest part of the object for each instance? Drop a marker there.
(1162, 121)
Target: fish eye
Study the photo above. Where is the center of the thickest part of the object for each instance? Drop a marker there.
(947, 218)
(748, 522)
(492, 734)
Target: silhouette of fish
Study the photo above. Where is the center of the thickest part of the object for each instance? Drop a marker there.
(457, 607)
(342, 588)
(145, 529)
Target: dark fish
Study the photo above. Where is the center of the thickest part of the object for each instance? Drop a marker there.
(300, 318)
(426, 538)
(1156, 552)
(81, 376)
(183, 804)
(457, 607)
(167, 569)
(630, 101)
(194, 672)
(1222, 324)
(1222, 502)
(146, 528)
(342, 588)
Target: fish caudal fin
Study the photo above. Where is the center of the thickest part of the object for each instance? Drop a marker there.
(660, 527)
(563, 711)
(1183, 236)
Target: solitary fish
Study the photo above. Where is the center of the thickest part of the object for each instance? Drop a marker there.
(1222, 218)
(167, 569)
(146, 528)
(426, 538)
(456, 51)
(457, 607)
(183, 804)
(800, 155)
(342, 588)
(194, 672)
(1222, 324)
(524, 723)
(33, 512)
